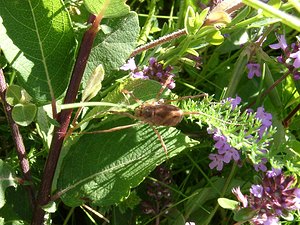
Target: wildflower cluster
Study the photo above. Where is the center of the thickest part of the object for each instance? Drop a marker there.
(225, 152)
(271, 199)
(159, 194)
(155, 71)
(290, 56)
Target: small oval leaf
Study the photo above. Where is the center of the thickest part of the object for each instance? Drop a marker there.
(24, 114)
(226, 203)
(16, 94)
(244, 214)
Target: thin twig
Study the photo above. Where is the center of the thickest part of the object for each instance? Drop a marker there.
(18, 140)
(95, 212)
(159, 41)
(267, 91)
(287, 120)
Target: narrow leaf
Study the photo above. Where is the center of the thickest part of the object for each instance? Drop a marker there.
(94, 84)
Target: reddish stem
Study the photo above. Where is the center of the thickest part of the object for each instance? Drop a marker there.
(64, 119)
(18, 140)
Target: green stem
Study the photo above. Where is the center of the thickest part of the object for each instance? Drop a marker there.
(226, 185)
(287, 19)
(89, 104)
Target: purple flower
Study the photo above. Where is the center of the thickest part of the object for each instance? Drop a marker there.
(274, 172)
(221, 143)
(226, 153)
(130, 65)
(266, 120)
(217, 161)
(296, 56)
(242, 198)
(234, 101)
(296, 76)
(261, 166)
(273, 198)
(231, 154)
(254, 69)
(154, 71)
(256, 190)
(272, 221)
(281, 44)
(134, 71)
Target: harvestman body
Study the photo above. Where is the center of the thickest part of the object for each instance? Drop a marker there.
(156, 113)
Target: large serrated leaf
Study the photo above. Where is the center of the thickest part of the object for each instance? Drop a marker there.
(37, 39)
(113, 44)
(6, 180)
(115, 8)
(101, 168)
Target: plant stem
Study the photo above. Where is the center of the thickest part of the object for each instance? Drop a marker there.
(64, 117)
(287, 120)
(159, 41)
(266, 92)
(226, 185)
(18, 140)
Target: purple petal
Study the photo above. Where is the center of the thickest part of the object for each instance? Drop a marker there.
(296, 56)
(130, 65)
(243, 199)
(257, 190)
(281, 44)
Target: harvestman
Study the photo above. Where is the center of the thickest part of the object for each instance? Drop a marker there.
(156, 113)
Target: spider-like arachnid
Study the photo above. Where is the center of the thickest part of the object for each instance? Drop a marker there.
(156, 112)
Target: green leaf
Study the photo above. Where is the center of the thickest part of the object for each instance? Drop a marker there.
(226, 203)
(286, 18)
(6, 180)
(17, 210)
(215, 38)
(94, 84)
(244, 214)
(175, 217)
(37, 39)
(51, 207)
(113, 45)
(16, 94)
(24, 114)
(44, 124)
(115, 8)
(101, 168)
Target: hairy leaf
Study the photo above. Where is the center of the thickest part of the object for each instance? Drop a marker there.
(101, 168)
(115, 8)
(37, 39)
(113, 44)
